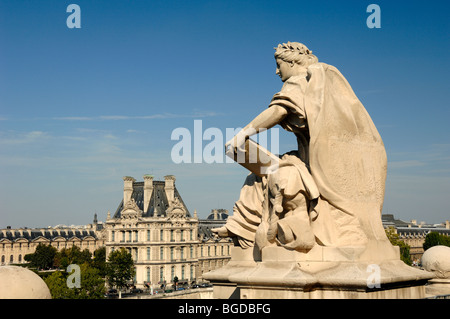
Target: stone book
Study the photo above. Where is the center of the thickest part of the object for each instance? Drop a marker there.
(255, 158)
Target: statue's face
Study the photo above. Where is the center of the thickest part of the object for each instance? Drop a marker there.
(285, 69)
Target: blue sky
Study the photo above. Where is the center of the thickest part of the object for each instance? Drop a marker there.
(81, 108)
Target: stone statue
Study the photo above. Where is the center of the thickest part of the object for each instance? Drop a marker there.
(310, 226)
(328, 192)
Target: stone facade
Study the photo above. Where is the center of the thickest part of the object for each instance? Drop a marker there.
(16, 243)
(165, 240)
(413, 234)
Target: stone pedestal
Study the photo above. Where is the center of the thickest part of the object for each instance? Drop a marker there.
(371, 271)
(437, 287)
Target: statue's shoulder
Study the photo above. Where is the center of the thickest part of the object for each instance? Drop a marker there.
(327, 69)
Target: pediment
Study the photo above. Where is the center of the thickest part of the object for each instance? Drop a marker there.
(131, 210)
(41, 239)
(176, 210)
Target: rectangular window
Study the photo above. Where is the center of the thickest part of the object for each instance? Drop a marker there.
(148, 253)
(148, 235)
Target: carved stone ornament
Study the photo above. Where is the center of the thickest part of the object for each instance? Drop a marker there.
(131, 210)
(176, 209)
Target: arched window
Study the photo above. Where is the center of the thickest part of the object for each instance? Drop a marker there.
(20, 258)
(3, 259)
(11, 259)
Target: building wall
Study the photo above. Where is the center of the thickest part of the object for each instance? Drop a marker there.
(14, 245)
(162, 248)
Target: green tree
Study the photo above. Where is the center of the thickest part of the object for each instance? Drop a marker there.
(43, 257)
(395, 240)
(92, 285)
(99, 261)
(435, 239)
(119, 268)
(57, 284)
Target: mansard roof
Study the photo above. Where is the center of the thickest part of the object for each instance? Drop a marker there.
(47, 233)
(158, 201)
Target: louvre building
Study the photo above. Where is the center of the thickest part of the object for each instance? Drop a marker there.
(165, 240)
(151, 222)
(16, 243)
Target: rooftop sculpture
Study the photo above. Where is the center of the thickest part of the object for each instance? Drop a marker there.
(319, 206)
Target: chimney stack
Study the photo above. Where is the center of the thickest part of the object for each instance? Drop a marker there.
(169, 187)
(148, 191)
(127, 188)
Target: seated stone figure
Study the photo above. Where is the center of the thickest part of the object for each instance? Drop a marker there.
(330, 190)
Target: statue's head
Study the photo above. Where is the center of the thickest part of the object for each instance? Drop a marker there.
(293, 58)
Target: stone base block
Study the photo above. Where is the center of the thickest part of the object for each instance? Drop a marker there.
(438, 286)
(324, 272)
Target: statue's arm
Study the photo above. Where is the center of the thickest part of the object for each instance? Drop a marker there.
(264, 121)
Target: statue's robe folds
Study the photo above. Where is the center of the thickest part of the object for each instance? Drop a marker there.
(344, 152)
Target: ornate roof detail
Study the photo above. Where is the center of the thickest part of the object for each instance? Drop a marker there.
(131, 210)
(176, 209)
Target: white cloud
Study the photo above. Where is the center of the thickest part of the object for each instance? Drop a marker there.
(200, 114)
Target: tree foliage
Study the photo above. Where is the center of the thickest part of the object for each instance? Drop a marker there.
(92, 270)
(43, 257)
(119, 268)
(92, 286)
(435, 239)
(395, 240)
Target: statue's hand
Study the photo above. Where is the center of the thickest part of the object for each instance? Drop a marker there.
(236, 143)
(221, 232)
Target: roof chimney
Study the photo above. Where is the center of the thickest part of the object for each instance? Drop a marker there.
(169, 187)
(127, 188)
(148, 190)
